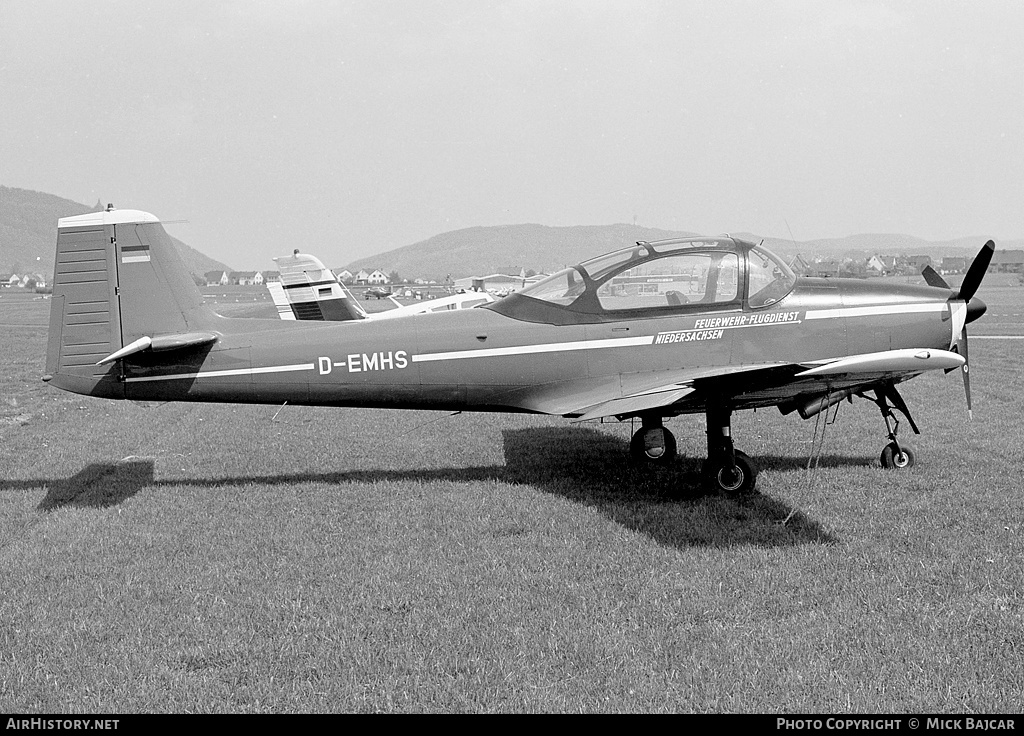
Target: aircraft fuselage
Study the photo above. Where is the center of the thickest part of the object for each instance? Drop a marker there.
(482, 360)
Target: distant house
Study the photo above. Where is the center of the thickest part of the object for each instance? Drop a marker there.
(821, 269)
(32, 280)
(271, 277)
(377, 277)
(345, 276)
(1008, 261)
(5, 280)
(875, 266)
(496, 282)
(953, 264)
(363, 277)
(918, 262)
(246, 278)
(217, 278)
(890, 262)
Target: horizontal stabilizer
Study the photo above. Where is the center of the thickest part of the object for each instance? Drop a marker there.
(161, 343)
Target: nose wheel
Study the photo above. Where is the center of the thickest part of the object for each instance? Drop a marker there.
(895, 455)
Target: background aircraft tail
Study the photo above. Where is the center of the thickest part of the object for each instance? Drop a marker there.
(119, 287)
(310, 290)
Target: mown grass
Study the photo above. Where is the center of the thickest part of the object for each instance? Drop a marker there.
(214, 558)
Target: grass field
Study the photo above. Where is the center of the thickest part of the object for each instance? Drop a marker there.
(217, 558)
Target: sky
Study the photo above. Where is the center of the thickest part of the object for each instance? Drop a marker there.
(352, 128)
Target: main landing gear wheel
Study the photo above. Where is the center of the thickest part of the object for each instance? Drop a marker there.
(732, 480)
(652, 446)
(897, 456)
(727, 470)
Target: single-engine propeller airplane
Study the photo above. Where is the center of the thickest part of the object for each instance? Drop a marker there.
(309, 290)
(377, 292)
(706, 325)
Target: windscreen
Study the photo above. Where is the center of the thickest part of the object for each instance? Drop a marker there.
(769, 278)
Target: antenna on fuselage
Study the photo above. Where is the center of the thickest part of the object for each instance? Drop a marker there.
(790, 231)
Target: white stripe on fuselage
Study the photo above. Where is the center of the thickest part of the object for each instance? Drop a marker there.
(231, 372)
(881, 309)
(551, 347)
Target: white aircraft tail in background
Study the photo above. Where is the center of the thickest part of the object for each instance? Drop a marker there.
(310, 291)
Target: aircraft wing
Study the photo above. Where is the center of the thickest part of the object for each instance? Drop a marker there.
(787, 385)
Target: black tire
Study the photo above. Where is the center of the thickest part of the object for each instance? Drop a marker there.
(738, 481)
(897, 458)
(652, 446)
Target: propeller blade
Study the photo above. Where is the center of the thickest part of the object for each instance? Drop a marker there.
(961, 347)
(976, 272)
(931, 276)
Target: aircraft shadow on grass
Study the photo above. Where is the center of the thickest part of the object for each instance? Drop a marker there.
(581, 464)
(98, 485)
(668, 504)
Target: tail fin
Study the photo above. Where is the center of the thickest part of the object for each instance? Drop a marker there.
(309, 290)
(119, 287)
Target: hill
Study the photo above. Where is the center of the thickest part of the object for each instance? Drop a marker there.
(865, 245)
(483, 250)
(28, 231)
(478, 251)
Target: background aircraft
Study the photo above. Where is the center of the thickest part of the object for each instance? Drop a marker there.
(377, 292)
(692, 326)
(310, 291)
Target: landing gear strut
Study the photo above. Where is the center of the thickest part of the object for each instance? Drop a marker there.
(727, 470)
(652, 443)
(895, 454)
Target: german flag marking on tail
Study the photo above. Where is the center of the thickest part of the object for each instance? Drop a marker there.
(135, 254)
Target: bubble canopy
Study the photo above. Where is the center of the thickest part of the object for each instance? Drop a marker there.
(656, 278)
